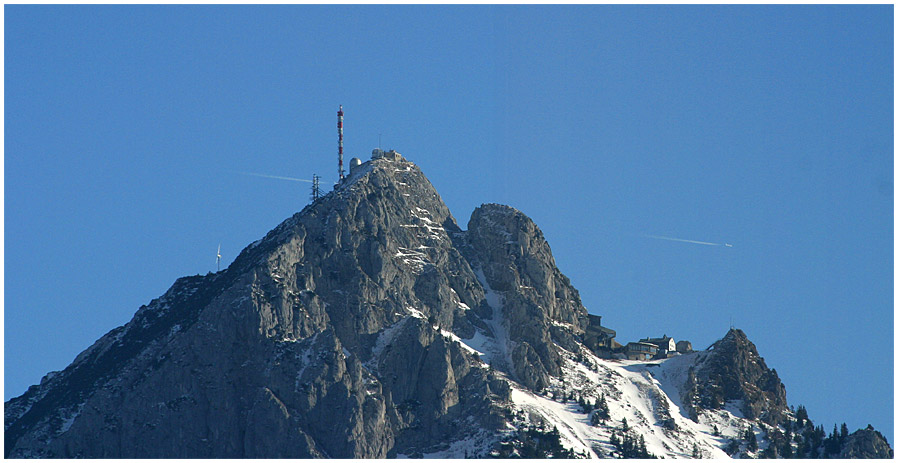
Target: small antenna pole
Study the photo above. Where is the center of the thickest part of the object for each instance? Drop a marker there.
(316, 190)
(340, 135)
(218, 259)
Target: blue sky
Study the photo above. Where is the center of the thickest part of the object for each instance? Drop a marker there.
(767, 127)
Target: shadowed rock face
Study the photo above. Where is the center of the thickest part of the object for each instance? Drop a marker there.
(330, 337)
(733, 370)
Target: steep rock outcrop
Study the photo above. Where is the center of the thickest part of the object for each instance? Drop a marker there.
(732, 370)
(540, 306)
(866, 443)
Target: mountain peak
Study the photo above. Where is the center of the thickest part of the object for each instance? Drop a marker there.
(370, 325)
(732, 371)
(357, 303)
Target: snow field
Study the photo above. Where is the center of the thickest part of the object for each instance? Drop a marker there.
(647, 394)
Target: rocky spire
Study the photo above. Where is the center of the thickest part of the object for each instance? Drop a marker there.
(733, 370)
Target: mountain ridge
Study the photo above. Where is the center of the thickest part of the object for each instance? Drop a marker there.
(371, 325)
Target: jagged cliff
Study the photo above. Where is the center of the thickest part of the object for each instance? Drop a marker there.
(371, 325)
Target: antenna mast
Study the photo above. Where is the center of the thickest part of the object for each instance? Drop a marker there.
(316, 191)
(218, 259)
(340, 133)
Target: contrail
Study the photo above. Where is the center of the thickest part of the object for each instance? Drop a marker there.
(681, 240)
(277, 177)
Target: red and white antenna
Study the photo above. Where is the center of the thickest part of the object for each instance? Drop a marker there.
(340, 133)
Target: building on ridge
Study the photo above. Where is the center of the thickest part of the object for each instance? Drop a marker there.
(640, 351)
(598, 338)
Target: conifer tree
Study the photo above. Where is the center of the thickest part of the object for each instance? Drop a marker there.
(601, 411)
(643, 452)
(787, 449)
(801, 415)
(750, 440)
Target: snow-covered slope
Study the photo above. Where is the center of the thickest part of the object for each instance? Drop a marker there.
(642, 396)
(645, 395)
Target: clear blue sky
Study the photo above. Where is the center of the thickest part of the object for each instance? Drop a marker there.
(767, 127)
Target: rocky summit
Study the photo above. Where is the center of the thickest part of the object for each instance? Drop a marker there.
(370, 325)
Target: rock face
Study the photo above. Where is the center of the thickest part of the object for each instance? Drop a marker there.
(732, 370)
(541, 307)
(866, 443)
(330, 337)
(370, 325)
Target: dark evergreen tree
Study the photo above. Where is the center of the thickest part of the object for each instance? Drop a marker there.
(801, 416)
(602, 413)
(751, 441)
(732, 447)
(786, 449)
(533, 443)
(629, 445)
(643, 452)
(802, 450)
(832, 445)
(813, 437)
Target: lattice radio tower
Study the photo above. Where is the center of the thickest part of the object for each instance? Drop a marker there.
(316, 190)
(340, 134)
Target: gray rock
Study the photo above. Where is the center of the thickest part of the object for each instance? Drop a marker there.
(336, 335)
(733, 370)
(866, 443)
(327, 338)
(541, 308)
